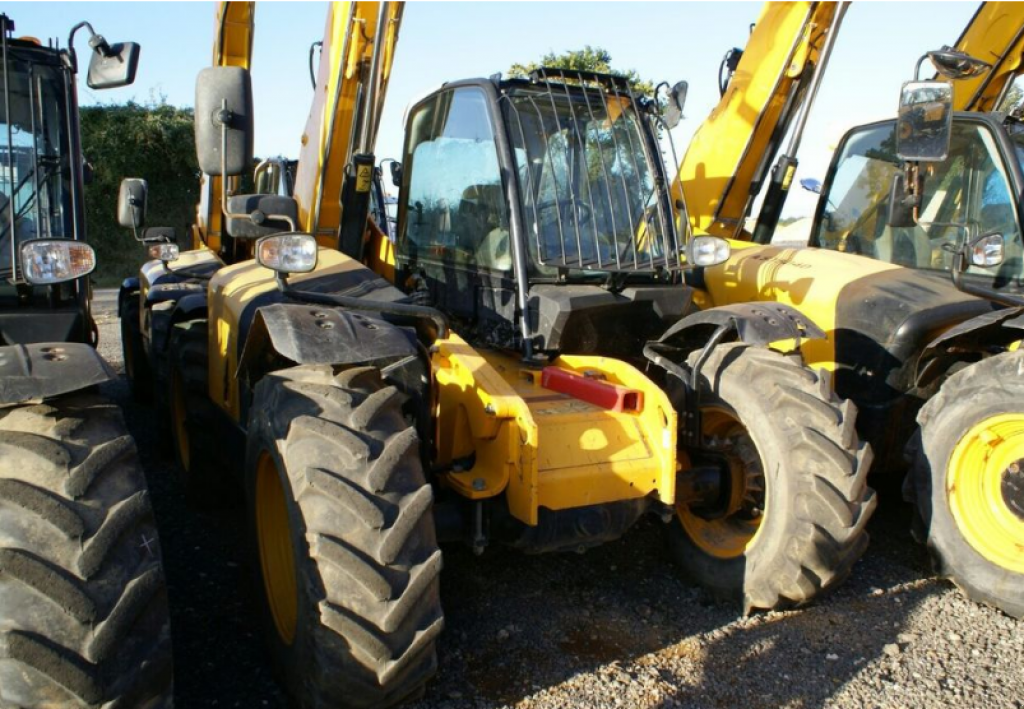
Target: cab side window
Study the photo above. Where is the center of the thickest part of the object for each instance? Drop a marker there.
(456, 213)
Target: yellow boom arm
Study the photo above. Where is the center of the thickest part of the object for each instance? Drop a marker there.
(727, 159)
(995, 35)
(341, 122)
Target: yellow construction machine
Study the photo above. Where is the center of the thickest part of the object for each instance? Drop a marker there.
(524, 363)
(891, 228)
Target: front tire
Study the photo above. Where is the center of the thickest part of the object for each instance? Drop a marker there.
(968, 479)
(193, 417)
(342, 538)
(792, 519)
(83, 603)
(136, 363)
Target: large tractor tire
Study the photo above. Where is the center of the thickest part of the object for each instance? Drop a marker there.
(136, 363)
(342, 531)
(968, 480)
(790, 521)
(193, 416)
(83, 605)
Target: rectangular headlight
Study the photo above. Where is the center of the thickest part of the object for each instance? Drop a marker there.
(163, 252)
(707, 251)
(47, 261)
(290, 252)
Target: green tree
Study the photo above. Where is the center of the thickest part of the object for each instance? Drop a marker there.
(153, 141)
(586, 59)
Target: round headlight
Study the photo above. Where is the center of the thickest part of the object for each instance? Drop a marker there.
(47, 261)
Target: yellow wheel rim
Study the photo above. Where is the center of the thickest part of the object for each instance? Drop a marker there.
(178, 409)
(732, 534)
(277, 561)
(985, 489)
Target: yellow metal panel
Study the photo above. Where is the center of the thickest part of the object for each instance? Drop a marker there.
(729, 147)
(811, 280)
(544, 448)
(231, 291)
(994, 31)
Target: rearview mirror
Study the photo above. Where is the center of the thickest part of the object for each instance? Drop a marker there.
(131, 203)
(396, 173)
(160, 235)
(925, 120)
(111, 66)
(673, 112)
(224, 121)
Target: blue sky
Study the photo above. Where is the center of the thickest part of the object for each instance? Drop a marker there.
(876, 51)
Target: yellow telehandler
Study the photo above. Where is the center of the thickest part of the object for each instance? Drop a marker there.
(912, 300)
(524, 363)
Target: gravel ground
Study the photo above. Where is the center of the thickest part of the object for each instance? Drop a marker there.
(615, 627)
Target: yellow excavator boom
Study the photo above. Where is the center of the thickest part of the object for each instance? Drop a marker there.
(996, 35)
(727, 160)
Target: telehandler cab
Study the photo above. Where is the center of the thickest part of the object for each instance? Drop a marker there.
(532, 371)
(83, 604)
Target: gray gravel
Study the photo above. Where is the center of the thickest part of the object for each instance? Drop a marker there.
(615, 627)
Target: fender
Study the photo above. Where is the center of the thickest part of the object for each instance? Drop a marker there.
(978, 336)
(315, 334)
(129, 289)
(322, 335)
(47, 369)
(754, 323)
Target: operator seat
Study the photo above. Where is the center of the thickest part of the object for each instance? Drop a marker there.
(480, 214)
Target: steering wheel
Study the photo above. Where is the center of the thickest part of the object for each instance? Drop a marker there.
(585, 213)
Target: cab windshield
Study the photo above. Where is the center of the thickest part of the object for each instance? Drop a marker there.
(590, 195)
(34, 155)
(964, 196)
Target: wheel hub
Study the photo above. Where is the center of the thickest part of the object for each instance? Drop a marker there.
(724, 520)
(1012, 488)
(985, 489)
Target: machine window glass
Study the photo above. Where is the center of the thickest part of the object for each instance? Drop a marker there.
(35, 167)
(967, 194)
(590, 198)
(456, 209)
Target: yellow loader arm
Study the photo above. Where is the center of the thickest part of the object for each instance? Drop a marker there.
(996, 35)
(232, 46)
(726, 162)
(342, 125)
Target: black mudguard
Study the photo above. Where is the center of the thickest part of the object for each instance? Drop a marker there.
(971, 339)
(312, 334)
(753, 323)
(47, 369)
(129, 289)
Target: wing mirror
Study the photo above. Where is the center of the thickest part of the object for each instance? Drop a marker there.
(224, 120)
(672, 113)
(110, 65)
(131, 204)
(396, 174)
(925, 121)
